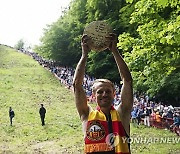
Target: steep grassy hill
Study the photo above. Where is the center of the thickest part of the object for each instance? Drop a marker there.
(24, 85)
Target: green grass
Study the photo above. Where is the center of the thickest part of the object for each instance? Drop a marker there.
(24, 85)
(153, 140)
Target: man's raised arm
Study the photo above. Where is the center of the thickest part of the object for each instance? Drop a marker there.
(80, 95)
(127, 90)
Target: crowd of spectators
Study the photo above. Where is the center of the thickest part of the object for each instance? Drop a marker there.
(155, 114)
(145, 111)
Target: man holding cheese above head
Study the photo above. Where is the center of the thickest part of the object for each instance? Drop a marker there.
(106, 130)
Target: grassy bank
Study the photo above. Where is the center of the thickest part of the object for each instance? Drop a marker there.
(24, 85)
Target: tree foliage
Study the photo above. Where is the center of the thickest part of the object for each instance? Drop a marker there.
(20, 45)
(149, 40)
(154, 53)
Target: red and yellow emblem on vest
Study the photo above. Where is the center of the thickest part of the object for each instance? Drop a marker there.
(95, 131)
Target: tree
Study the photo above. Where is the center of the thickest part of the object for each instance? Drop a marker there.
(20, 45)
(149, 40)
(154, 53)
(61, 39)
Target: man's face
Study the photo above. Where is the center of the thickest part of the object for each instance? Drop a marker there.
(104, 94)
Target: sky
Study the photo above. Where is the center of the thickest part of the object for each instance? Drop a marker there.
(26, 19)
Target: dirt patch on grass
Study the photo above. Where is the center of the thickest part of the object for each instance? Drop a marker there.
(52, 147)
